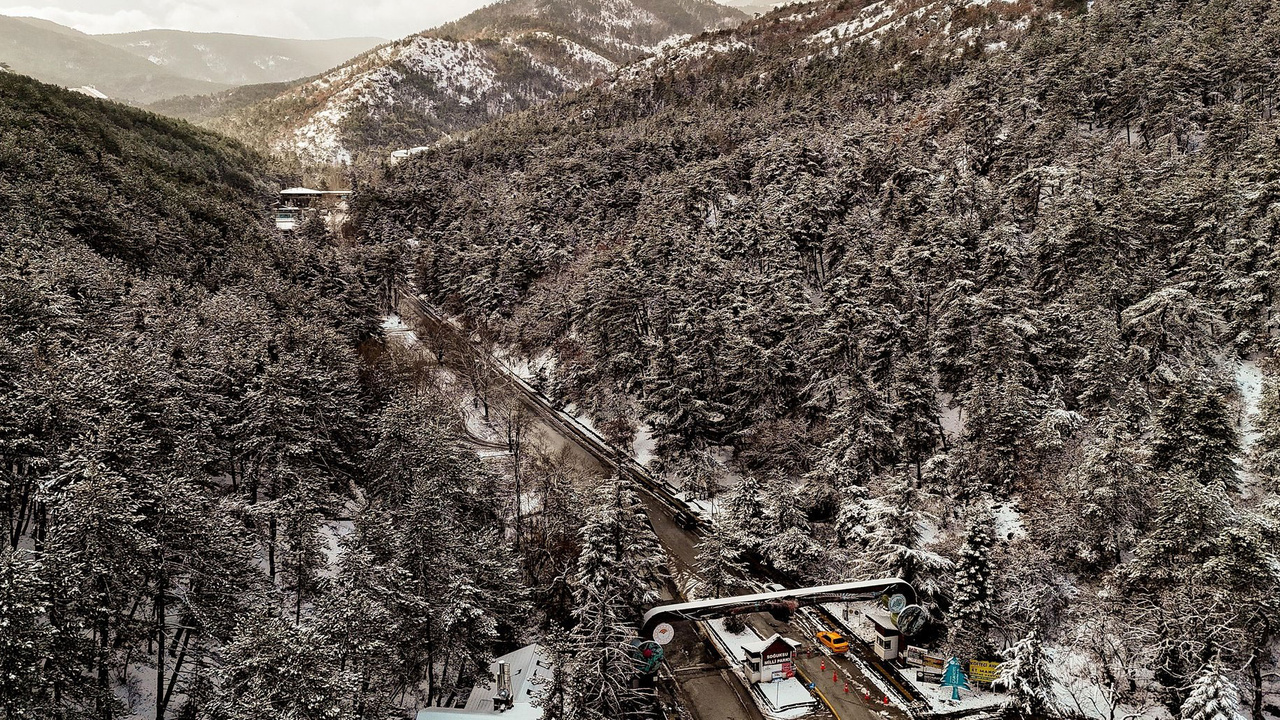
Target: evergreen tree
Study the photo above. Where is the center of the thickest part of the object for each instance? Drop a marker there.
(1025, 677)
(972, 600)
(1194, 434)
(720, 566)
(1213, 697)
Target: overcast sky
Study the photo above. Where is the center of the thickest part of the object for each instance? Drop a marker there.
(388, 19)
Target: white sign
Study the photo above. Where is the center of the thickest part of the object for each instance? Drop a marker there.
(664, 633)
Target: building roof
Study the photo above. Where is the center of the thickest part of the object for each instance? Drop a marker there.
(758, 648)
(530, 668)
(299, 191)
(882, 621)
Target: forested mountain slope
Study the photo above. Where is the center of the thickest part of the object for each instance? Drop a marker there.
(188, 401)
(502, 58)
(972, 283)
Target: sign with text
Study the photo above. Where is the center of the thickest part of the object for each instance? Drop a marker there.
(929, 677)
(983, 671)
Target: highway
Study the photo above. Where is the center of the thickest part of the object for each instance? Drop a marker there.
(702, 675)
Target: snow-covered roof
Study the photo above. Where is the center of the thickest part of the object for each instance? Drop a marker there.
(299, 191)
(529, 669)
(757, 648)
(884, 623)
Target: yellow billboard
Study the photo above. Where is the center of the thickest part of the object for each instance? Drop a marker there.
(983, 670)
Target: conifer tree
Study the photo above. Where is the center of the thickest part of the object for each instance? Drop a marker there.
(1024, 675)
(973, 597)
(1213, 697)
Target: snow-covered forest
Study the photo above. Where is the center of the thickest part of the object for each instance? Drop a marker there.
(973, 293)
(978, 294)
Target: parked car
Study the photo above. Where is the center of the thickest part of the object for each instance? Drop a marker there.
(833, 641)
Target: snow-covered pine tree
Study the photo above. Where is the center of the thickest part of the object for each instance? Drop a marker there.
(1024, 674)
(897, 542)
(1266, 448)
(1194, 433)
(743, 515)
(619, 556)
(1213, 697)
(720, 565)
(971, 608)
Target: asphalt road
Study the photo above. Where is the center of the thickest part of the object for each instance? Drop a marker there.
(706, 686)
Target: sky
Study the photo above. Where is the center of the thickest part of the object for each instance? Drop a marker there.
(307, 19)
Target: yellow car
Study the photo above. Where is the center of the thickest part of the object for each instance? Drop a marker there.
(834, 641)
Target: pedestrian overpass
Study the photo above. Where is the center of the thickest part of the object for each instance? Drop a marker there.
(897, 594)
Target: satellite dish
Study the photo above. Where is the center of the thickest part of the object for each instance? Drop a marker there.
(912, 620)
(897, 603)
(664, 633)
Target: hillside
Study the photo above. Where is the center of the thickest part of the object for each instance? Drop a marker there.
(63, 56)
(187, 398)
(502, 58)
(237, 59)
(986, 288)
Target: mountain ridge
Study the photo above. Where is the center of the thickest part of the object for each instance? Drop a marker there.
(499, 59)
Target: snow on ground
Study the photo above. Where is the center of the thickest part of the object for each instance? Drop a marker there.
(1249, 382)
(394, 327)
(952, 417)
(332, 532)
(642, 447)
(1008, 522)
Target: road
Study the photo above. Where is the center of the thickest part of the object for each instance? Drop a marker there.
(705, 682)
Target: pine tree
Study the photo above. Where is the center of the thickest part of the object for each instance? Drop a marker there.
(1194, 433)
(1266, 448)
(720, 566)
(897, 542)
(1213, 697)
(1024, 675)
(973, 597)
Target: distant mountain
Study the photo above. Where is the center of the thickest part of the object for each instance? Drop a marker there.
(754, 7)
(237, 59)
(63, 56)
(501, 58)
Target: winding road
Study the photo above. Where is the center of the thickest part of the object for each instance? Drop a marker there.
(704, 679)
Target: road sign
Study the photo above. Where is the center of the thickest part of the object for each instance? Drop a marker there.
(664, 633)
(912, 620)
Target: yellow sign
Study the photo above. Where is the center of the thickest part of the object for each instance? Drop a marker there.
(983, 671)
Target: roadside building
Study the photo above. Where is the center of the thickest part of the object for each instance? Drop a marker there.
(517, 677)
(297, 203)
(770, 659)
(888, 640)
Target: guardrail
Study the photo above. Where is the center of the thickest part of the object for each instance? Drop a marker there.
(602, 450)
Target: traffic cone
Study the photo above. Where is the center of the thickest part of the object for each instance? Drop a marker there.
(824, 666)
(846, 688)
(835, 677)
(866, 697)
(886, 699)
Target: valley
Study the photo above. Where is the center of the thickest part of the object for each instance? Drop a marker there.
(644, 360)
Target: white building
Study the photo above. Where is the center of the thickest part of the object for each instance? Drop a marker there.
(518, 676)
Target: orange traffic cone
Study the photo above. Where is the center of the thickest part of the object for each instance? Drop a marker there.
(866, 697)
(824, 666)
(835, 677)
(886, 699)
(846, 688)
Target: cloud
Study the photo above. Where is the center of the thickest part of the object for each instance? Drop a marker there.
(282, 18)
